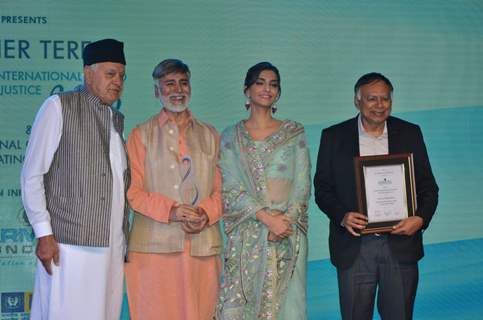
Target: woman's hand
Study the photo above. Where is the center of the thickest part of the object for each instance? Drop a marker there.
(279, 225)
(272, 237)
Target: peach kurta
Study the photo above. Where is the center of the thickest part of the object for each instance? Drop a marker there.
(169, 285)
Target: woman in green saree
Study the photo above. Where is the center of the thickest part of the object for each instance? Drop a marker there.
(266, 186)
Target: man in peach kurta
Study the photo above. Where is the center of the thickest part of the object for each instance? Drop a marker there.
(174, 266)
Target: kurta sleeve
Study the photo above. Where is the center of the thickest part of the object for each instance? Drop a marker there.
(43, 143)
(238, 203)
(151, 204)
(299, 196)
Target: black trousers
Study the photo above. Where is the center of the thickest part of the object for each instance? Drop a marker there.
(377, 270)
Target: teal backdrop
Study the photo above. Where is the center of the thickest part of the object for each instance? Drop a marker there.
(431, 50)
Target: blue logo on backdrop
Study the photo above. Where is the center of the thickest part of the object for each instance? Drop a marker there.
(57, 89)
(13, 302)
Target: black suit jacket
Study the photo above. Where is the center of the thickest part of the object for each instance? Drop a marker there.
(335, 192)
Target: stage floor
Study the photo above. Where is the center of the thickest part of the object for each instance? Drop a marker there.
(450, 284)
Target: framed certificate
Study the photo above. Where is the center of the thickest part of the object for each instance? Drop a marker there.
(386, 190)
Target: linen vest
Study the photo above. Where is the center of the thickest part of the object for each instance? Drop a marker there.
(162, 175)
(78, 185)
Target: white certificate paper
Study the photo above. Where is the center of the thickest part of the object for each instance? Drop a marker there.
(385, 193)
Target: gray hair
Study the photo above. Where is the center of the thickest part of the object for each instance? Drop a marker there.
(168, 66)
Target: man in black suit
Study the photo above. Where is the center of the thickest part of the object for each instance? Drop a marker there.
(386, 263)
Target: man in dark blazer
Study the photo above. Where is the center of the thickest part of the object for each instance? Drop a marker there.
(383, 263)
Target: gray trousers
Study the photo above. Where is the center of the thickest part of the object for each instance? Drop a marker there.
(376, 269)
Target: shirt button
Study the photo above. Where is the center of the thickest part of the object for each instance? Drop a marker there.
(170, 131)
(171, 149)
(172, 166)
(176, 186)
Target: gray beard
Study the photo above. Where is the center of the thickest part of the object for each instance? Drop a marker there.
(173, 108)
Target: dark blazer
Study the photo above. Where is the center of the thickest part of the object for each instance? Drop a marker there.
(335, 192)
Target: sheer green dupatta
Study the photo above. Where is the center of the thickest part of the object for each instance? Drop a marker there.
(293, 290)
(247, 292)
(246, 244)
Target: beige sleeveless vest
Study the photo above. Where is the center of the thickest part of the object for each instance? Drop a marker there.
(162, 175)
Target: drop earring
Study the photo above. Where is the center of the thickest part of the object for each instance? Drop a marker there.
(274, 108)
(247, 103)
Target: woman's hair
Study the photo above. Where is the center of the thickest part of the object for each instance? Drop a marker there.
(254, 72)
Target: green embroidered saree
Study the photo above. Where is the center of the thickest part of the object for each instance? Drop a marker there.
(264, 279)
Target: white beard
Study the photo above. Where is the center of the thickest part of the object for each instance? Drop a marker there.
(175, 108)
(165, 102)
